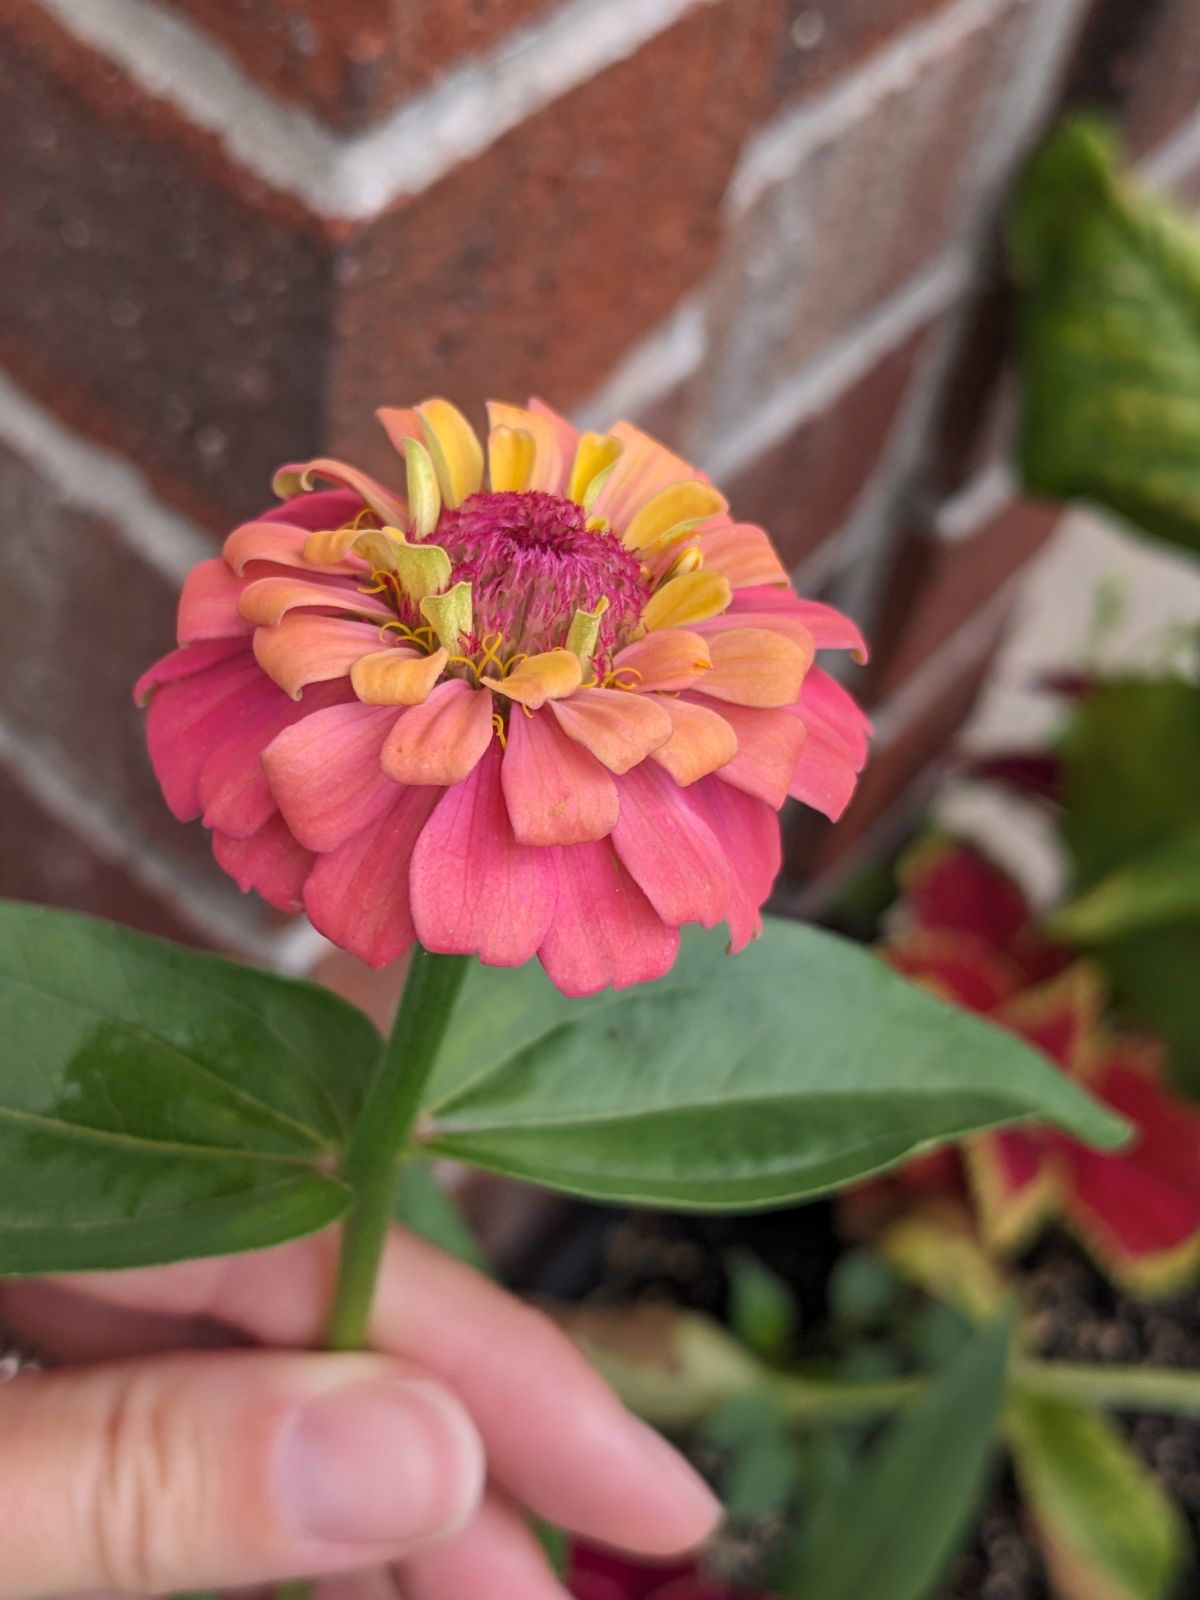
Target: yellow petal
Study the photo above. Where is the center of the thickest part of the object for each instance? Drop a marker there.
(550, 676)
(511, 453)
(692, 597)
(549, 469)
(597, 452)
(325, 549)
(584, 631)
(450, 614)
(456, 451)
(395, 678)
(379, 547)
(424, 496)
(677, 507)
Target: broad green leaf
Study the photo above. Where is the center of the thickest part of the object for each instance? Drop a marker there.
(1161, 885)
(425, 1207)
(1109, 1531)
(796, 1067)
(1109, 323)
(1153, 976)
(892, 1530)
(157, 1104)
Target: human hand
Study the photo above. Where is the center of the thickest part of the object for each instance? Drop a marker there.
(186, 1442)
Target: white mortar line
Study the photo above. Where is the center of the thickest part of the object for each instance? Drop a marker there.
(667, 356)
(946, 664)
(99, 481)
(811, 389)
(976, 503)
(411, 148)
(65, 795)
(773, 154)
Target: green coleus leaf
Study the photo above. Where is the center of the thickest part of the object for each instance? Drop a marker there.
(892, 1529)
(1109, 335)
(798, 1066)
(1108, 1530)
(1159, 885)
(157, 1104)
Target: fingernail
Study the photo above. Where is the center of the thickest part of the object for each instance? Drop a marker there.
(382, 1461)
(696, 1507)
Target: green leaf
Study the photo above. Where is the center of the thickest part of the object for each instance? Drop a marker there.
(892, 1530)
(157, 1104)
(1161, 885)
(796, 1067)
(762, 1308)
(1109, 1531)
(1109, 335)
(425, 1207)
(754, 1435)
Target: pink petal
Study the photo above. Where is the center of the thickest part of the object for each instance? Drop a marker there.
(441, 740)
(769, 745)
(551, 467)
(208, 606)
(566, 435)
(825, 775)
(281, 544)
(618, 727)
(358, 894)
(185, 662)
(309, 648)
(830, 630)
(604, 930)
(555, 792)
(389, 508)
(267, 601)
(269, 861)
(233, 784)
(188, 720)
(474, 888)
(670, 851)
(325, 775)
(749, 830)
(825, 706)
(322, 508)
(671, 659)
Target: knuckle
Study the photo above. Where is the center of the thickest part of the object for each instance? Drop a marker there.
(144, 1491)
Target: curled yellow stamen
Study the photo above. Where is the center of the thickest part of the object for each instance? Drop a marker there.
(501, 734)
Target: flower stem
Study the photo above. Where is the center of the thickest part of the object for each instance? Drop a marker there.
(380, 1140)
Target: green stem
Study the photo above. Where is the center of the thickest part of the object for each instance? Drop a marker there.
(380, 1140)
(1166, 1389)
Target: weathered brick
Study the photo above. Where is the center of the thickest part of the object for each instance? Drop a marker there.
(351, 62)
(803, 489)
(153, 294)
(863, 208)
(534, 266)
(44, 861)
(1161, 83)
(938, 583)
(826, 37)
(81, 616)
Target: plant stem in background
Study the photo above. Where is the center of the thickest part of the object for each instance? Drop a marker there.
(380, 1139)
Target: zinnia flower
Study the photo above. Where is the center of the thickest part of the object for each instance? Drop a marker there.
(971, 937)
(556, 715)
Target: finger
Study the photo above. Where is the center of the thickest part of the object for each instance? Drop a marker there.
(69, 1326)
(555, 1434)
(208, 1471)
(494, 1556)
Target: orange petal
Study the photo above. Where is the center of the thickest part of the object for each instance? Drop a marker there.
(620, 729)
(550, 676)
(678, 506)
(549, 464)
(268, 600)
(441, 741)
(324, 549)
(396, 677)
(691, 597)
(441, 429)
(645, 467)
(283, 545)
(670, 660)
(756, 667)
(743, 553)
(701, 743)
(306, 649)
(556, 793)
(302, 476)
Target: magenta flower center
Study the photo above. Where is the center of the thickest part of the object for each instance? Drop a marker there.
(532, 562)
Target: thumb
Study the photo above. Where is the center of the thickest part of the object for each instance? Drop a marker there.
(207, 1471)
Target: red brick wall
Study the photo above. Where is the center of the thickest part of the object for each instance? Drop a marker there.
(763, 227)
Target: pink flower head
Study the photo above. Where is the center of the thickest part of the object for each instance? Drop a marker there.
(971, 937)
(600, 1575)
(555, 715)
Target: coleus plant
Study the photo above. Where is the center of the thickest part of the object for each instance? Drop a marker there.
(547, 702)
